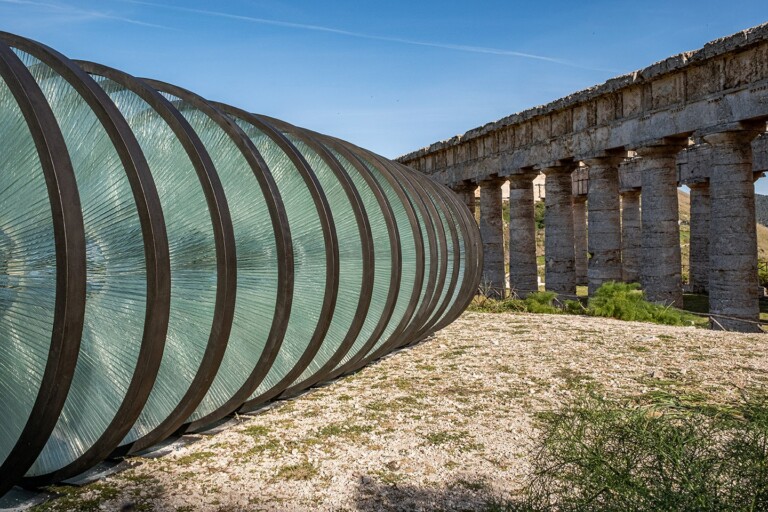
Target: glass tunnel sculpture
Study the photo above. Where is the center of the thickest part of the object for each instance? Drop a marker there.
(166, 261)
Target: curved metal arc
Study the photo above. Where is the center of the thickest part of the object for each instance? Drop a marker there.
(155, 251)
(223, 230)
(215, 354)
(331, 252)
(395, 253)
(444, 211)
(368, 262)
(460, 253)
(472, 254)
(400, 331)
(473, 257)
(427, 289)
(439, 254)
(69, 239)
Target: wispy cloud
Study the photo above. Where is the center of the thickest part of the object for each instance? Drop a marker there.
(361, 35)
(80, 14)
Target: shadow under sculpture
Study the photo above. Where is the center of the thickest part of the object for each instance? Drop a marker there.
(166, 261)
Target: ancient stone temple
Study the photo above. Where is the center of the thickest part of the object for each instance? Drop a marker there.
(614, 156)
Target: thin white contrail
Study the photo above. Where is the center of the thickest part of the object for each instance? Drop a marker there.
(74, 10)
(360, 35)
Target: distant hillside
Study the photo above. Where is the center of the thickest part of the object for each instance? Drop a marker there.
(684, 206)
(761, 209)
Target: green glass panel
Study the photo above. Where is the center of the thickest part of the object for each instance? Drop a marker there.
(448, 256)
(27, 273)
(350, 258)
(461, 256)
(428, 263)
(408, 253)
(444, 282)
(116, 276)
(192, 255)
(257, 264)
(382, 250)
(309, 256)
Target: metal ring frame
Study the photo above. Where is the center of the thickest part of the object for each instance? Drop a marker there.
(443, 254)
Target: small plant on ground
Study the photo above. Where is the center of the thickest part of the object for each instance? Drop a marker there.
(536, 302)
(626, 301)
(598, 454)
(304, 470)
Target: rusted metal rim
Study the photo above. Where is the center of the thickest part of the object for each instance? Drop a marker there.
(395, 254)
(331, 254)
(427, 289)
(366, 242)
(439, 253)
(401, 330)
(474, 255)
(155, 252)
(442, 207)
(223, 231)
(469, 254)
(214, 354)
(414, 294)
(464, 250)
(69, 239)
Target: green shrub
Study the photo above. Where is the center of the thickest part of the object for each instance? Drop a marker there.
(541, 302)
(536, 302)
(762, 272)
(615, 455)
(626, 301)
(539, 212)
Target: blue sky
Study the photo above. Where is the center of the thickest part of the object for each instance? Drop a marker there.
(390, 76)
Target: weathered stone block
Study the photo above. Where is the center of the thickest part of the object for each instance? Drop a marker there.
(523, 134)
(541, 128)
(745, 67)
(607, 109)
(584, 116)
(561, 123)
(632, 101)
(668, 90)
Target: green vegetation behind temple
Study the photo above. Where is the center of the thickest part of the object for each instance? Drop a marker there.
(624, 301)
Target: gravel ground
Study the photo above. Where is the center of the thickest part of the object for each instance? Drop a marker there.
(445, 425)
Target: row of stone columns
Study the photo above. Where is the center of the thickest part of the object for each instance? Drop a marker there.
(627, 241)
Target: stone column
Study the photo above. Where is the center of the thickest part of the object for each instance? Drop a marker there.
(733, 236)
(559, 256)
(698, 262)
(604, 240)
(493, 282)
(466, 191)
(631, 236)
(661, 265)
(580, 238)
(523, 275)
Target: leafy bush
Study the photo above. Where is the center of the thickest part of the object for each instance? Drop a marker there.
(536, 302)
(614, 300)
(539, 212)
(541, 302)
(762, 272)
(626, 301)
(614, 455)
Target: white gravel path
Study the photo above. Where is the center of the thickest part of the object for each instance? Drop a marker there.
(444, 425)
